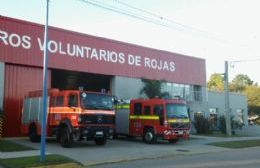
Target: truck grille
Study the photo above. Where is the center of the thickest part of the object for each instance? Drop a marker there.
(180, 125)
(97, 119)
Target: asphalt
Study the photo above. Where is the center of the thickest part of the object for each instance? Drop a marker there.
(87, 153)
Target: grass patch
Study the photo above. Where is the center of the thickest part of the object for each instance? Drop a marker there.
(8, 146)
(237, 144)
(34, 161)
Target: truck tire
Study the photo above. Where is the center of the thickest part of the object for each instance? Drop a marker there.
(173, 141)
(115, 136)
(149, 136)
(66, 138)
(100, 141)
(33, 134)
(58, 137)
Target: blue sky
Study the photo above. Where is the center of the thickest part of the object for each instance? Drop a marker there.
(224, 29)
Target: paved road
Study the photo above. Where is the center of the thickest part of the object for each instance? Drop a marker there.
(88, 153)
(237, 158)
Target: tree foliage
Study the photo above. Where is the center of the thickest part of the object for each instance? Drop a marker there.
(240, 82)
(153, 88)
(216, 82)
(253, 99)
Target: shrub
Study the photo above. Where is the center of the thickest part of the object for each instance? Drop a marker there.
(222, 124)
(202, 125)
(236, 123)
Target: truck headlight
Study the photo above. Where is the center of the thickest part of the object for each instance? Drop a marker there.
(110, 131)
(79, 119)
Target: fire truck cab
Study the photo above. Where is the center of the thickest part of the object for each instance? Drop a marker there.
(71, 115)
(153, 118)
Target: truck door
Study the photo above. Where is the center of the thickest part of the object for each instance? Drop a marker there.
(158, 110)
(73, 108)
(56, 109)
(135, 121)
(73, 101)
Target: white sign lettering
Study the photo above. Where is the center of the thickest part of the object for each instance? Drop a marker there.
(15, 40)
(86, 52)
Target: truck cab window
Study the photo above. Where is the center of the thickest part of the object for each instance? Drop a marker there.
(73, 101)
(137, 109)
(147, 110)
(158, 110)
(57, 101)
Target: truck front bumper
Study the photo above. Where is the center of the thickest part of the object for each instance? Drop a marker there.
(176, 134)
(93, 132)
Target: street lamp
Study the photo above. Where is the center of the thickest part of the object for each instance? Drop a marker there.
(44, 90)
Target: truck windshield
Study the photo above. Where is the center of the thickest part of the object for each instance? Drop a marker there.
(176, 111)
(96, 101)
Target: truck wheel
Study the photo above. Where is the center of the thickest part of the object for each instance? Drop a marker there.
(33, 134)
(58, 137)
(173, 141)
(149, 136)
(100, 141)
(66, 138)
(115, 136)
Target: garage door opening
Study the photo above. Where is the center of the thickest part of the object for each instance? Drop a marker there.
(65, 80)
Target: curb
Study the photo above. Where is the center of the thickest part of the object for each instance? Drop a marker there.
(8, 155)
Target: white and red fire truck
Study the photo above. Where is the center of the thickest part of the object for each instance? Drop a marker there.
(71, 115)
(153, 118)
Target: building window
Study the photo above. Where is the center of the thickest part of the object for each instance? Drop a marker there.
(197, 93)
(213, 110)
(177, 90)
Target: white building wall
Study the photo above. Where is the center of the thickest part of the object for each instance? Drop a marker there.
(237, 102)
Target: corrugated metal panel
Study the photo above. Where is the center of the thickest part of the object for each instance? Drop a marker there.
(19, 80)
(2, 75)
(65, 44)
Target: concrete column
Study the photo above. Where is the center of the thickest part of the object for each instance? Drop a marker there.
(245, 116)
(2, 78)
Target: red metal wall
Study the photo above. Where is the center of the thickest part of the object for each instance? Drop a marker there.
(18, 81)
(19, 45)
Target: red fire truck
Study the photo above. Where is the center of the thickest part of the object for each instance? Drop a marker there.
(71, 115)
(153, 118)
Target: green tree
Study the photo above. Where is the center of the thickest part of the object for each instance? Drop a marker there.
(240, 82)
(153, 88)
(216, 82)
(253, 99)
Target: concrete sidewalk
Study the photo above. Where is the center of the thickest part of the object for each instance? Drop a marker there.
(88, 153)
(7, 155)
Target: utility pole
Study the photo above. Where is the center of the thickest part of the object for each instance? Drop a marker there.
(44, 90)
(227, 108)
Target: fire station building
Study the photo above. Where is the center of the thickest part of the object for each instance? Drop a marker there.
(94, 63)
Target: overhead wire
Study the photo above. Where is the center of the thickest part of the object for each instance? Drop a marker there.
(249, 60)
(157, 19)
(163, 18)
(120, 11)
